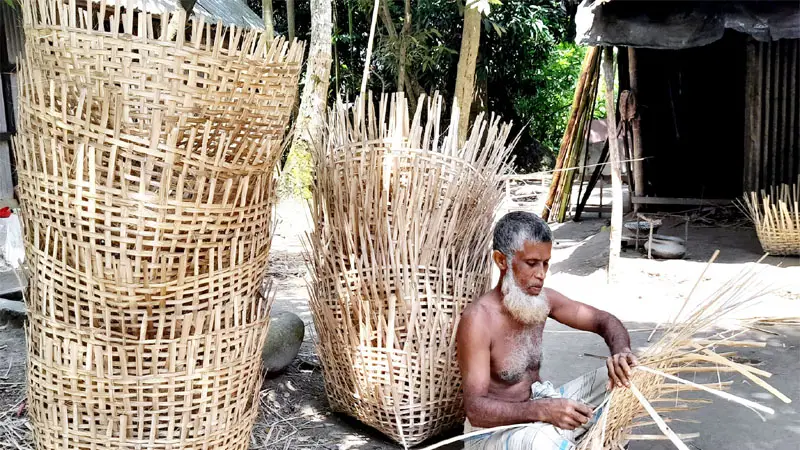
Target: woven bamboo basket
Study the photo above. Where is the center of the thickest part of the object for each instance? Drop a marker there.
(776, 216)
(145, 166)
(401, 247)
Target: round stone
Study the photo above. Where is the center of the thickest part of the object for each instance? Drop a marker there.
(286, 333)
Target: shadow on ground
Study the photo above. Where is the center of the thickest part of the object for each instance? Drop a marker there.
(590, 242)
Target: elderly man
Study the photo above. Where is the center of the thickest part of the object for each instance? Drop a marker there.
(500, 350)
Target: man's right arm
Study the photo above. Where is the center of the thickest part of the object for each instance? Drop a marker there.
(474, 350)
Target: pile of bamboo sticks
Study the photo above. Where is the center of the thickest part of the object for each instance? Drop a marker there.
(682, 350)
(575, 138)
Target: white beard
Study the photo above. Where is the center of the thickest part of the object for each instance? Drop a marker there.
(528, 309)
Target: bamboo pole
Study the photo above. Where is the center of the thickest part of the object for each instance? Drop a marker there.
(793, 80)
(368, 57)
(784, 172)
(755, 165)
(568, 131)
(580, 137)
(638, 163)
(616, 177)
(766, 102)
(750, 133)
(576, 138)
(774, 145)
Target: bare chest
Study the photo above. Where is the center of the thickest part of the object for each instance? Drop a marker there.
(516, 353)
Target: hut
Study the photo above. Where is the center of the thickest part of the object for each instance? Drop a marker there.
(717, 93)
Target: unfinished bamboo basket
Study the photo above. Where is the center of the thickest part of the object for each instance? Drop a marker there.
(145, 166)
(401, 246)
(776, 216)
(656, 387)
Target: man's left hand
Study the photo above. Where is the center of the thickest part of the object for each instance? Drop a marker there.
(619, 368)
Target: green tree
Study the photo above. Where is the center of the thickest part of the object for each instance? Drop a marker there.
(526, 66)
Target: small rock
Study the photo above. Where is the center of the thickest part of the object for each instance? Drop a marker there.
(286, 333)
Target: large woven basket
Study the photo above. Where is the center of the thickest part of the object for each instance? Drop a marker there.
(776, 216)
(145, 166)
(401, 247)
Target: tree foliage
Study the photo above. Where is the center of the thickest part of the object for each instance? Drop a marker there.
(526, 71)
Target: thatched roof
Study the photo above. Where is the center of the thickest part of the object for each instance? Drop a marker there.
(682, 24)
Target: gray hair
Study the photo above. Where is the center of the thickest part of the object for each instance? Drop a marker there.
(513, 229)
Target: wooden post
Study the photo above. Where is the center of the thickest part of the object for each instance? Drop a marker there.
(752, 109)
(616, 176)
(638, 164)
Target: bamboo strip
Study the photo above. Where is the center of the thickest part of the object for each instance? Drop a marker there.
(748, 374)
(718, 393)
(659, 422)
(661, 437)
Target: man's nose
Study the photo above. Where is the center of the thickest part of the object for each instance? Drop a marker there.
(539, 271)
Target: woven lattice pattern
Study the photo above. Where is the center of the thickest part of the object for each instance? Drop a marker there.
(401, 247)
(145, 162)
(776, 216)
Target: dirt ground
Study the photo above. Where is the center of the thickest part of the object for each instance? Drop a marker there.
(294, 410)
(648, 293)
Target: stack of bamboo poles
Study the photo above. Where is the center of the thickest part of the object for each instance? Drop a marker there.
(575, 138)
(681, 350)
(401, 246)
(776, 216)
(145, 165)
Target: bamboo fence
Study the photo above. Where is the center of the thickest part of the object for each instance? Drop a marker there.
(401, 246)
(145, 163)
(776, 216)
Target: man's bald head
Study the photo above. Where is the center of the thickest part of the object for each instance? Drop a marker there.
(515, 228)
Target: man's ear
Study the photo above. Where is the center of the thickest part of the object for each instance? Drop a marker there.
(500, 259)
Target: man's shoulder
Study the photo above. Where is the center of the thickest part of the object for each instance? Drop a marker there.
(481, 309)
(551, 294)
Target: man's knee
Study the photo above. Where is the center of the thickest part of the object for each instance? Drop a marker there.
(538, 436)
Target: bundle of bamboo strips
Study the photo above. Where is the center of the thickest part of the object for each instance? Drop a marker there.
(575, 138)
(776, 216)
(401, 246)
(678, 351)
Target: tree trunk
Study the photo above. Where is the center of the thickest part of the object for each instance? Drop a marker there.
(616, 176)
(405, 82)
(465, 78)
(290, 18)
(313, 106)
(266, 8)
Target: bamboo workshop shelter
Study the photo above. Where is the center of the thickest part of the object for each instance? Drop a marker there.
(656, 386)
(401, 246)
(776, 216)
(145, 168)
